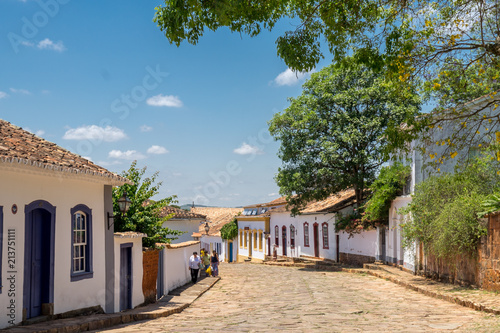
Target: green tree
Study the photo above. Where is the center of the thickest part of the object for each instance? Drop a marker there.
(443, 213)
(334, 136)
(430, 43)
(230, 230)
(144, 214)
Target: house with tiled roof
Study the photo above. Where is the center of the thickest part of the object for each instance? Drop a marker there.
(217, 217)
(312, 234)
(56, 245)
(183, 220)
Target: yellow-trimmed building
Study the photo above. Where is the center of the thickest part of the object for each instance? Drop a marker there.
(253, 231)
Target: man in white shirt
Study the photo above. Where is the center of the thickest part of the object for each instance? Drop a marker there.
(194, 266)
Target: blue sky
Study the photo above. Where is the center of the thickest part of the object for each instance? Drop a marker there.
(100, 79)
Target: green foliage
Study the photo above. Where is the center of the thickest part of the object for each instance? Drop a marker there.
(142, 217)
(334, 136)
(384, 189)
(490, 205)
(230, 230)
(444, 209)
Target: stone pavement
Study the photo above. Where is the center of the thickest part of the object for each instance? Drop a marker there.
(261, 298)
(175, 302)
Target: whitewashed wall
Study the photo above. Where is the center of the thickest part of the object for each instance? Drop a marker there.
(284, 219)
(189, 226)
(63, 192)
(244, 251)
(396, 254)
(137, 270)
(209, 242)
(176, 264)
(364, 243)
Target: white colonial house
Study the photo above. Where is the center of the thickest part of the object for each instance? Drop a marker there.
(411, 258)
(183, 220)
(56, 246)
(312, 234)
(217, 217)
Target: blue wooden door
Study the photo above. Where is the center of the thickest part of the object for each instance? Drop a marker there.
(125, 278)
(231, 252)
(39, 257)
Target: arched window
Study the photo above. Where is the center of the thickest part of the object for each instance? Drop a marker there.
(306, 234)
(325, 235)
(81, 243)
(292, 236)
(276, 236)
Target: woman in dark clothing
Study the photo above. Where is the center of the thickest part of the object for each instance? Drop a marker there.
(214, 262)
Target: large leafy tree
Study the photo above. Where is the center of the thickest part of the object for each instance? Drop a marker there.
(334, 136)
(437, 44)
(144, 214)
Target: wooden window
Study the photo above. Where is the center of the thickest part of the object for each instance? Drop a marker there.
(246, 238)
(81, 243)
(306, 234)
(255, 239)
(325, 235)
(277, 236)
(292, 236)
(260, 240)
(241, 238)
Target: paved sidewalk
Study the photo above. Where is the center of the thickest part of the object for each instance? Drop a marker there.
(175, 302)
(477, 299)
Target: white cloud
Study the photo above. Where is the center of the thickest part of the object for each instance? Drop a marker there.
(290, 78)
(129, 155)
(94, 132)
(27, 43)
(37, 133)
(20, 91)
(87, 158)
(3, 95)
(108, 164)
(167, 100)
(272, 194)
(50, 45)
(157, 150)
(146, 128)
(247, 149)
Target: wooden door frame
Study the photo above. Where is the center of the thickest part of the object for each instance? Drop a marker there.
(316, 239)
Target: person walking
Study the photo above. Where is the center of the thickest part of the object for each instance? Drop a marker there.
(205, 262)
(194, 266)
(214, 261)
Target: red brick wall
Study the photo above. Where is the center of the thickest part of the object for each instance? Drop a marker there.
(150, 273)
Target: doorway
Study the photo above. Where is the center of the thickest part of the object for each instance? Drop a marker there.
(230, 251)
(316, 240)
(39, 259)
(125, 276)
(283, 236)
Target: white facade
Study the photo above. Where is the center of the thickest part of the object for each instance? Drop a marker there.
(313, 235)
(24, 185)
(251, 242)
(212, 242)
(187, 225)
(135, 242)
(364, 244)
(175, 265)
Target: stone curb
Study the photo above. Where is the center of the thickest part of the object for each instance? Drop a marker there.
(453, 299)
(102, 321)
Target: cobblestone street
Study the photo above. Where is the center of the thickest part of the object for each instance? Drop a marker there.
(257, 298)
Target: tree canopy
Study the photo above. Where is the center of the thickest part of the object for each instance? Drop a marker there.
(450, 48)
(144, 214)
(334, 136)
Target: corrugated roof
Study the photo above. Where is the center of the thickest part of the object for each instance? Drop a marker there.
(18, 146)
(217, 217)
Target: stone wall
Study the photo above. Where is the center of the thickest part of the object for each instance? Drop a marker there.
(150, 273)
(355, 259)
(462, 270)
(489, 271)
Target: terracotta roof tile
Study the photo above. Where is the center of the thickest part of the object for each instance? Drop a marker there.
(180, 213)
(20, 146)
(333, 203)
(217, 217)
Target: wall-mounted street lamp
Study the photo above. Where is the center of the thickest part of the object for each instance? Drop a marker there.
(207, 228)
(124, 204)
